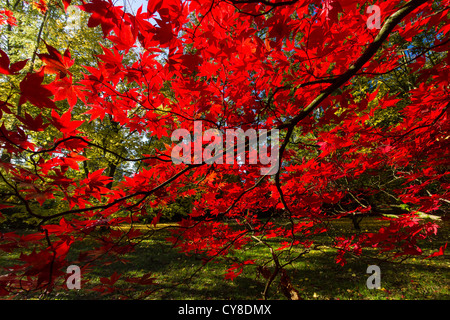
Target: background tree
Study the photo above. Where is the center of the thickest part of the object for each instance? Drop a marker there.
(362, 114)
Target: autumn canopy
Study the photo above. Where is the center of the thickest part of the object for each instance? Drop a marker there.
(362, 115)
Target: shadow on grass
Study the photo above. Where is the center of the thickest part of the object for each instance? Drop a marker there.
(321, 278)
(178, 276)
(315, 276)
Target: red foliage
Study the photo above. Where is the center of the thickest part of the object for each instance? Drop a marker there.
(235, 66)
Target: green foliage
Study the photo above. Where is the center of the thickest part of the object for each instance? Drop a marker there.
(115, 142)
(170, 212)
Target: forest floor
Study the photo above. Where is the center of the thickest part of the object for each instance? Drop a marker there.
(315, 275)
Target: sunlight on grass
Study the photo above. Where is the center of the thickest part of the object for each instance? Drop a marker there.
(315, 275)
(141, 226)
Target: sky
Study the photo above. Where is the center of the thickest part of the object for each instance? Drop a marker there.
(132, 5)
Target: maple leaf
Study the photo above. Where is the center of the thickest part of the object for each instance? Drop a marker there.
(64, 89)
(164, 33)
(236, 269)
(34, 124)
(73, 144)
(40, 195)
(438, 253)
(101, 15)
(64, 123)
(15, 138)
(112, 58)
(9, 17)
(155, 219)
(96, 181)
(73, 159)
(125, 38)
(55, 63)
(409, 249)
(96, 112)
(41, 5)
(153, 6)
(4, 206)
(66, 4)
(5, 66)
(112, 280)
(5, 107)
(32, 90)
(330, 11)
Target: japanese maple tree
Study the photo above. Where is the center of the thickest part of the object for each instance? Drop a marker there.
(362, 114)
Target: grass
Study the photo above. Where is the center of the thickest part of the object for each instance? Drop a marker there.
(315, 275)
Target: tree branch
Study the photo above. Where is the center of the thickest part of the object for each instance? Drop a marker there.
(387, 28)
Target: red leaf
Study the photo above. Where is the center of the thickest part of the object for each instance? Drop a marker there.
(96, 112)
(34, 124)
(55, 63)
(40, 5)
(112, 280)
(125, 39)
(164, 33)
(32, 90)
(73, 159)
(4, 206)
(101, 15)
(153, 6)
(5, 68)
(9, 17)
(66, 4)
(64, 123)
(236, 269)
(440, 252)
(155, 220)
(330, 10)
(64, 89)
